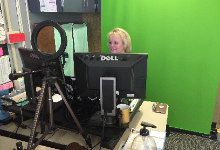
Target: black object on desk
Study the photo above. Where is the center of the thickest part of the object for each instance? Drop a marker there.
(118, 118)
(28, 110)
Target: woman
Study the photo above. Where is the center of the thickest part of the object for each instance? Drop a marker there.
(119, 41)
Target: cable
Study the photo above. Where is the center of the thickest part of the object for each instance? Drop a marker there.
(92, 99)
(18, 123)
(103, 129)
(16, 130)
(22, 119)
(52, 134)
(13, 132)
(96, 144)
(103, 134)
(66, 86)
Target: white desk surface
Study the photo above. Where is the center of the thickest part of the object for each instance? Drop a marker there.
(145, 114)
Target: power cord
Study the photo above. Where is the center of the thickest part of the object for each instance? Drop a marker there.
(18, 121)
(103, 129)
(96, 145)
(103, 135)
(52, 134)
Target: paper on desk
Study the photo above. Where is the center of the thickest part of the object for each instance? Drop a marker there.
(159, 138)
(56, 98)
(5, 69)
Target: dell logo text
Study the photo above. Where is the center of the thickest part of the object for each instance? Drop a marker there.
(109, 58)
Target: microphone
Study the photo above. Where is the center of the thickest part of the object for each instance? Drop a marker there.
(15, 76)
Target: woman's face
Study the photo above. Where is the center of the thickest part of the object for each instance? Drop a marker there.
(115, 44)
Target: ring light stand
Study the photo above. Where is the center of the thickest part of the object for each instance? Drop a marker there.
(47, 82)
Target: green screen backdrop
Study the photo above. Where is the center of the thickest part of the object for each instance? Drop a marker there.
(182, 38)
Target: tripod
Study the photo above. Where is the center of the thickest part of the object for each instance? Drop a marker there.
(47, 83)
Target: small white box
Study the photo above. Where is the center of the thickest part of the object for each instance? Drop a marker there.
(18, 84)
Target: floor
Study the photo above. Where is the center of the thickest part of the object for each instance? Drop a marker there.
(59, 136)
(10, 144)
(181, 141)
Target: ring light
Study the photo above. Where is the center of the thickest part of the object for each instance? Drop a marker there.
(34, 36)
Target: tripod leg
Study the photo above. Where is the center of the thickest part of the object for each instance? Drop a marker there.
(37, 114)
(43, 116)
(50, 105)
(84, 134)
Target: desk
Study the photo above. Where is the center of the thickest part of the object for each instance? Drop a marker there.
(65, 137)
(147, 115)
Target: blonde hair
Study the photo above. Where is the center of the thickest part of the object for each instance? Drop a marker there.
(126, 39)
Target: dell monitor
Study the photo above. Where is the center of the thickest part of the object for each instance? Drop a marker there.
(110, 76)
(31, 62)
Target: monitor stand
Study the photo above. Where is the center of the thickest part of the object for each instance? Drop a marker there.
(108, 99)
